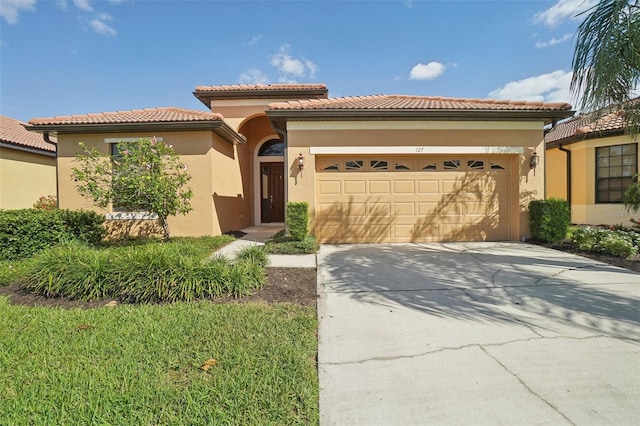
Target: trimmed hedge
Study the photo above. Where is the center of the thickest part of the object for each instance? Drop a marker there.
(298, 219)
(549, 219)
(27, 231)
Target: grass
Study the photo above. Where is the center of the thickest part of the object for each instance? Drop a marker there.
(132, 365)
(281, 244)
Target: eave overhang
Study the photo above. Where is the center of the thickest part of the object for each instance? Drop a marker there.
(220, 128)
(207, 96)
(4, 144)
(279, 117)
(583, 137)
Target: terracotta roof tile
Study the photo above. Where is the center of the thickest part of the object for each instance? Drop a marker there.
(385, 102)
(260, 87)
(149, 115)
(13, 132)
(586, 125)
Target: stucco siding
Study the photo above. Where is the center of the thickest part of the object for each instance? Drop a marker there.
(25, 177)
(527, 184)
(556, 174)
(584, 209)
(195, 150)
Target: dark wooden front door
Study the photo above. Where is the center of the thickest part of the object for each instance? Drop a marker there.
(272, 192)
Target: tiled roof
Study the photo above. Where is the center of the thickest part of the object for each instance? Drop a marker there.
(261, 87)
(403, 102)
(13, 132)
(586, 125)
(149, 115)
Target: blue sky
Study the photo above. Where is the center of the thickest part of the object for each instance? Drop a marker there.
(62, 57)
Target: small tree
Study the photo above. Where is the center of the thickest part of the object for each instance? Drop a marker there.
(144, 176)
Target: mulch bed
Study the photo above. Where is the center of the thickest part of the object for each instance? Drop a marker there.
(292, 285)
(632, 264)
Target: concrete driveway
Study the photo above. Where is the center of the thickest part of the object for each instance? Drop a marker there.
(476, 333)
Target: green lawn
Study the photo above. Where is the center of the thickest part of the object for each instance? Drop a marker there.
(142, 365)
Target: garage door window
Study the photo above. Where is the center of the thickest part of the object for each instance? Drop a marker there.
(379, 165)
(475, 164)
(354, 165)
(452, 164)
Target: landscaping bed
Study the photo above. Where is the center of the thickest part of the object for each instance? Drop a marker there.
(284, 285)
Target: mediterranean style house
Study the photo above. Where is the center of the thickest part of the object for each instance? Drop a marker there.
(27, 166)
(591, 160)
(383, 168)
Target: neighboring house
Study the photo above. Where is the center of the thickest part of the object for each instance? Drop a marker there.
(590, 162)
(27, 166)
(372, 168)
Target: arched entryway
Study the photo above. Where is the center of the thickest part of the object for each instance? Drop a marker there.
(269, 194)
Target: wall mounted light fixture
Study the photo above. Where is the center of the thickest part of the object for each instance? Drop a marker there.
(534, 161)
(300, 161)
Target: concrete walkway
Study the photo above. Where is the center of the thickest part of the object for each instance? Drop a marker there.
(257, 236)
(476, 333)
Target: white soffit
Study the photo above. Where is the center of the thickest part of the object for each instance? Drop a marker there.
(322, 150)
(415, 125)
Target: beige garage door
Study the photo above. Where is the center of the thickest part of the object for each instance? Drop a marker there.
(413, 198)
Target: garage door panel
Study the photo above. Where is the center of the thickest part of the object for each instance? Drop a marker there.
(377, 187)
(427, 209)
(329, 187)
(329, 210)
(404, 187)
(355, 187)
(354, 209)
(379, 209)
(404, 209)
(412, 205)
(378, 233)
(430, 186)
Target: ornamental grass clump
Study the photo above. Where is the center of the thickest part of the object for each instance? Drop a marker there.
(71, 270)
(149, 273)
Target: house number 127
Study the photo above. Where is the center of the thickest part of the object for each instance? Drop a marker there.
(420, 149)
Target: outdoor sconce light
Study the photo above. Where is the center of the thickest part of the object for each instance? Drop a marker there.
(535, 160)
(300, 161)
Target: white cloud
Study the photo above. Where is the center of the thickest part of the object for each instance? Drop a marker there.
(291, 68)
(98, 25)
(253, 76)
(561, 10)
(255, 39)
(550, 87)
(428, 71)
(553, 41)
(83, 5)
(11, 9)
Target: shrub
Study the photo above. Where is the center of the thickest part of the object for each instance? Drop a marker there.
(298, 219)
(613, 243)
(28, 231)
(48, 202)
(549, 219)
(84, 225)
(279, 244)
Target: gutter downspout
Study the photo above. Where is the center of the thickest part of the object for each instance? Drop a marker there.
(568, 155)
(283, 135)
(48, 140)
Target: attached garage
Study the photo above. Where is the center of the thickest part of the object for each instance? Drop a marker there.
(391, 168)
(414, 198)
